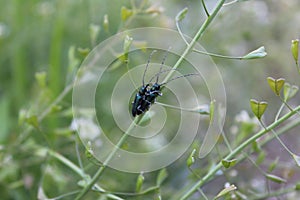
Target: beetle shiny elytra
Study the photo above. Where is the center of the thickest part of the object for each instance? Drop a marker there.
(148, 93)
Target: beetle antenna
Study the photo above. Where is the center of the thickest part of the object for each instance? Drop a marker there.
(162, 64)
(147, 66)
(158, 73)
(178, 78)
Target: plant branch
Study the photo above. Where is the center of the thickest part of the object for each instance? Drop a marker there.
(179, 61)
(105, 163)
(236, 151)
(196, 38)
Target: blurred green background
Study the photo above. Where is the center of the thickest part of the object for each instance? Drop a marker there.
(36, 36)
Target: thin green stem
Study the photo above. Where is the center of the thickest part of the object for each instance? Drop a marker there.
(273, 194)
(58, 99)
(236, 151)
(67, 162)
(230, 3)
(278, 138)
(123, 138)
(279, 111)
(105, 163)
(218, 55)
(205, 9)
(180, 33)
(178, 108)
(196, 38)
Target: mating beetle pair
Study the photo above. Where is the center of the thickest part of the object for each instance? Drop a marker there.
(148, 93)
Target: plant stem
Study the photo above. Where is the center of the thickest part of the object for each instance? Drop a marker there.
(236, 151)
(196, 38)
(105, 163)
(41, 116)
(218, 55)
(123, 138)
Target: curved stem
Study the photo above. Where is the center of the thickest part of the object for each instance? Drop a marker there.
(180, 33)
(179, 61)
(196, 38)
(218, 55)
(105, 163)
(41, 116)
(205, 9)
(236, 151)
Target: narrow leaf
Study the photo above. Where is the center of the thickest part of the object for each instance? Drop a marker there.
(297, 159)
(126, 47)
(181, 15)
(273, 165)
(295, 50)
(203, 109)
(212, 110)
(191, 158)
(162, 175)
(258, 53)
(139, 182)
(256, 147)
(94, 32)
(258, 108)
(229, 163)
(297, 186)
(106, 23)
(260, 158)
(41, 79)
(275, 178)
(226, 191)
(276, 84)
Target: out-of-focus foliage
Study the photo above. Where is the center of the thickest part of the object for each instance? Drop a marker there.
(35, 41)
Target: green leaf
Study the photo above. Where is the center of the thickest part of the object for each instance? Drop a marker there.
(162, 175)
(226, 191)
(157, 195)
(297, 186)
(22, 116)
(275, 178)
(126, 47)
(260, 158)
(295, 50)
(258, 107)
(33, 121)
(203, 109)
(94, 32)
(276, 84)
(125, 13)
(73, 61)
(106, 23)
(41, 79)
(139, 182)
(273, 165)
(191, 158)
(229, 163)
(289, 91)
(181, 15)
(83, 51)
(212, 110)
(258, 53)
(256, 147)
(297, 159)
(55, 109)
